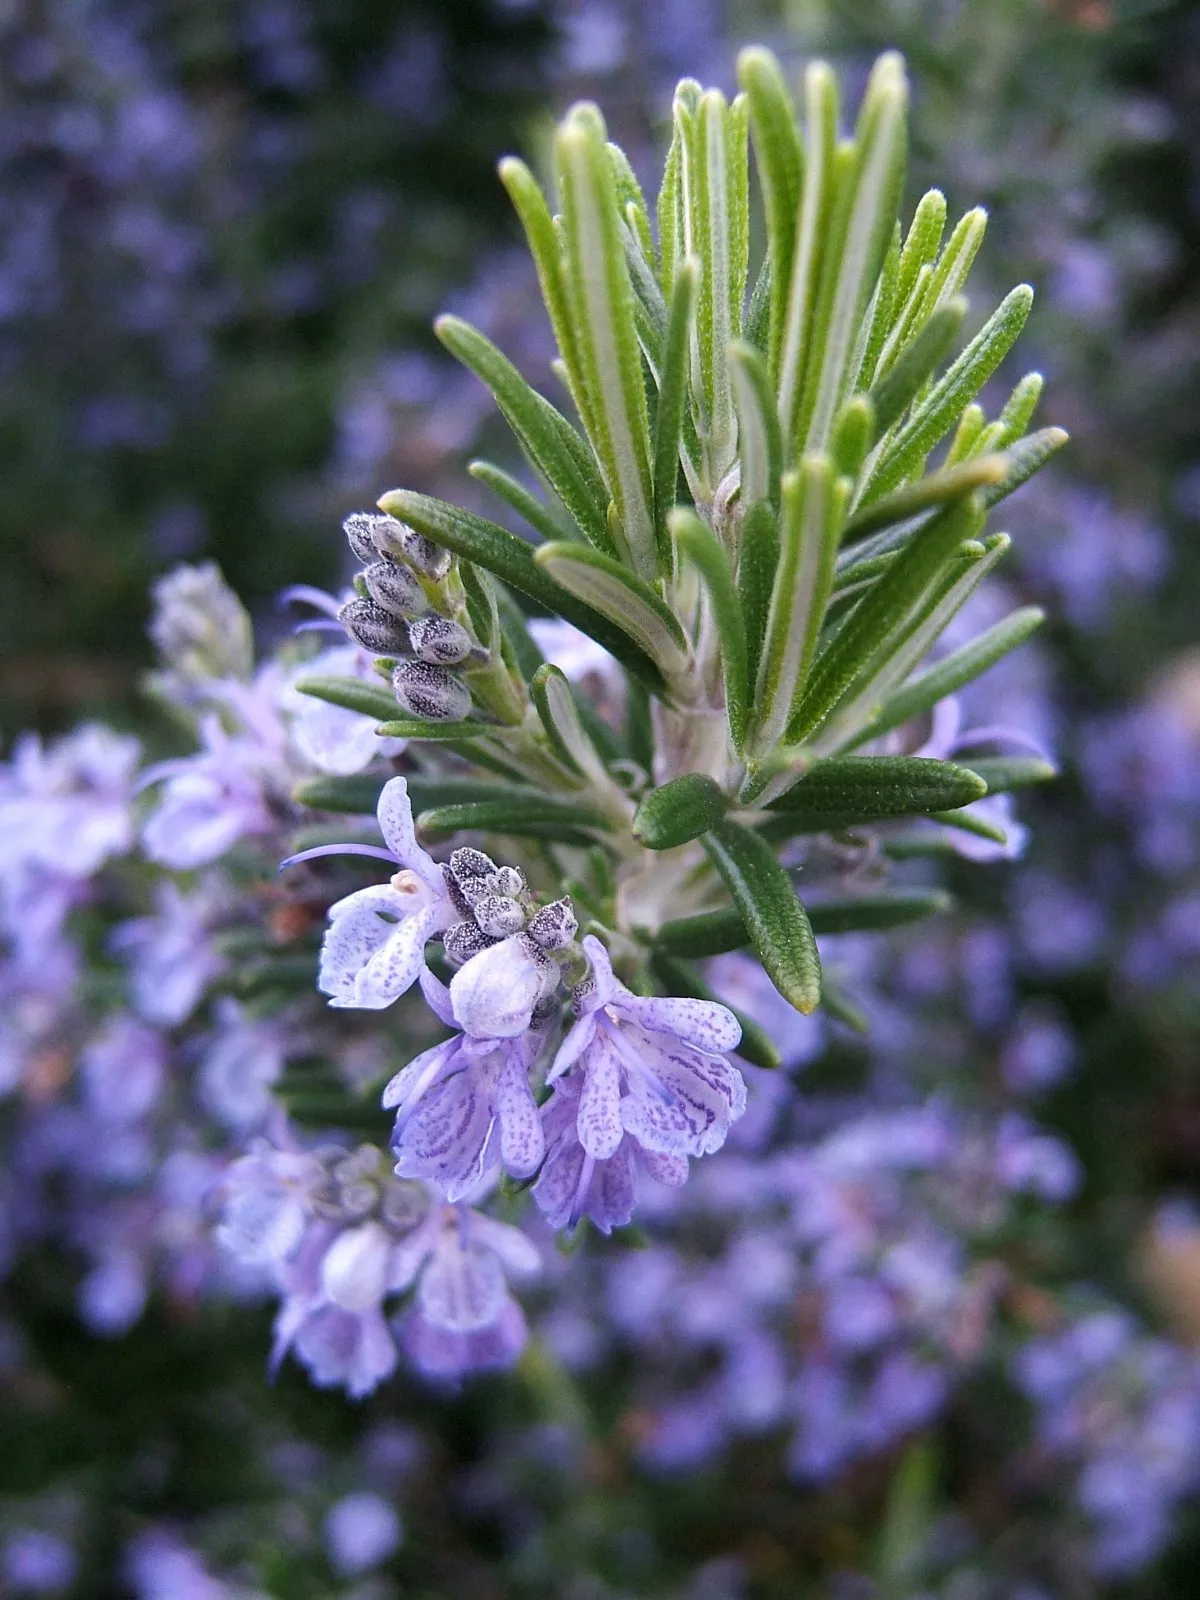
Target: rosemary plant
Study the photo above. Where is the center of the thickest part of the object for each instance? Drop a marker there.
(738, 503)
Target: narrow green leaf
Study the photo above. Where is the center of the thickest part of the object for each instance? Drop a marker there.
(672, 397)
(921, 242)
(940, 409)
(757, 561)
(820, 143)
(884, 610)
(631, 200)
(603, 303)
(893, 393)
(848, 790)
(515, 635)
(873, 332)
(967, 436)
(780, 163)
(759, 444)
(755, 323)
(971, 822)
(667, 215)
(954, 263)
(559, 713)
(678, 978)
(1003, 774)
(639, 730)
(511, 560)
(803, 578)
(712, 933)
(357, 794)
(1020, 406)
(437, 732)
(545, 246)
(855, 428)
(520, 815)
(352, 694)
(1024, 458)
(698, 543)
(925, 494)
(774, 918)
(678, 812)
(859, 233)
(616, 593)
(537, 514)
(952, 672)
(552, 445)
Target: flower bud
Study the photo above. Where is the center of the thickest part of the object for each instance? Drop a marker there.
(358, 528)
(464, 940)
(373, 628)
(395, 589)
(495, 993)
(472, 872)
(354, 1271)
(509, 881)
(431, 693)
(438, 640)
(398, 539)
(499, 916)
(554, 926)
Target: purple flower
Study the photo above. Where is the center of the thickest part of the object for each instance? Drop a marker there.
(66, 809)
(170, 956)
(211, 800)
(496, 992)
(330, 738)
(361, 1531)
(649, 1069)
(243, 1059)
(466, 1106)
(123, 1070)
(374, 948)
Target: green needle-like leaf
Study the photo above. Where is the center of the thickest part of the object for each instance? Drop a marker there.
(938, 489)
(759, 443)
(672, 398)
(678, 812)
(352, 694)
(1002, 774)
(537, 514)
(552, 445)
(774, 918)
(437, 732)
(756, 577)
(522, 815)
(848, 790)
(551, 691)
(780, 162)
(893, 393)
(357, 794)
(712, 933)
(616, 593)
(698, 544)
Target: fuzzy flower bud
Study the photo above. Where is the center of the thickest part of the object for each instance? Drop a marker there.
(359, 529)
(395, 589)
(555, 925)
(464, 940)
(499, 916)
(398, 539)
(495, 994)
(431, 693)
(440, 641)
(372, 627)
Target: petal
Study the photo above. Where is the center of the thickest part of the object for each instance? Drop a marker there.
(611, 1192)
(356, 933)
(445, 1139)
(393, 969)
(495, 992)
(572, 1047)
(400, 835)
(355, 1351)
(411, 1081)
(554, 1191)
(599, 1120)
(518, 1254)
(672, 1171)
(354, 1271)
(602, 972)
(702, 1023)
(437, 998)
(684, 1102)
(461, 1289)
(522, 1141)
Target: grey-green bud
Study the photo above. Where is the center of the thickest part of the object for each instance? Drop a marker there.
(373, 627)
(555, 925)
(396, 589)
(398, 539)
(363, 530)
(464, 940)
(439, 641)
(499, 916)
(430, 693)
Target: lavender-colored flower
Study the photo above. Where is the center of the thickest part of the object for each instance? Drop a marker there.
(647, 1068)
(948, 742)
(374, 948)
(328, 738)
(466, 1106)
(495, 993)
(122, 1070)
(243, 1058)
(361, 1531)
(170, 955)
(66, 809)
(211, 800)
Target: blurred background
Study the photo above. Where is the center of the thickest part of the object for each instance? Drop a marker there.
(224, 230)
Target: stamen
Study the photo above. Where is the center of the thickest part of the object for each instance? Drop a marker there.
(374, 850)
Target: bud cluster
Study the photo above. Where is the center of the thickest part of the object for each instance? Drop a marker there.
(495, 904)
(358, 1185)
(398, 611)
